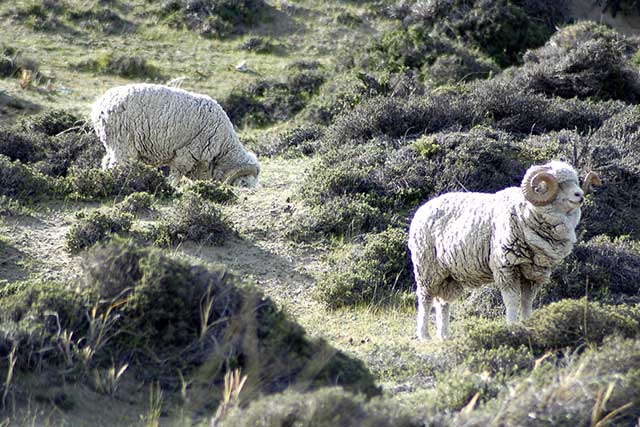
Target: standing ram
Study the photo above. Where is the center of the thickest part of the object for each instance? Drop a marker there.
(514, 238)
(166, 126)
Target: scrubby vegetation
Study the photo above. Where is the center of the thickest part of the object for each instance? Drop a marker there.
(160, 294)
(164, 320)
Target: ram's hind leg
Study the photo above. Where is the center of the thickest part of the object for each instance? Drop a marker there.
(424, 311)
(442, 318)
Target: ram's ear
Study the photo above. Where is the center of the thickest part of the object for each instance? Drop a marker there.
(591, 180)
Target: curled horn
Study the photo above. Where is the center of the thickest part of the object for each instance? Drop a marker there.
(242, 171)
(592, 179)
(532, 186)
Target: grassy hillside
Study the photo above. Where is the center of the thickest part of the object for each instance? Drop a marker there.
(127, 301)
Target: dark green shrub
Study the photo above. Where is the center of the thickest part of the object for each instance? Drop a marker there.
(294, 142)
(193, 219)
(346, 90)
(400, 174)
(104, 20)
(327, 407)
(606, 270)
(461, 66)
(455, 389)
(202, 323)
(214, 18)
(135, 203)
(377, 273)
(260, 45)
(22, 182)
(342, 216)
(571, 395)
(95, 227)
(585, 61)
(119, 181)
(627, 7)
(40, 16)
(10, 207)
(131, 67)
(91, 183)
(80, 150)
(268, 101)
(571, 323)
(50, 122)
(564, 324)
(503, 361)
(27, 148)
(12, 62)
(33, 313)
(212, 191)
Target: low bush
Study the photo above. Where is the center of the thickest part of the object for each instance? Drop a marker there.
(100, 19)
(214, 18)
(212, 191)
(12, 62)
(96, 226)
(596, 387)
(135, 203)
(342, 216)
(584, 60)
(261, 45)
(170, 322)
(324, 408)
(500, 29)
(557, 326)
(121, 180)
(346, 90)
(131, 67)
(603, 269)
(22, 182)
(203, 323)
(27, 148)
(378, 273)
(269, 101)
(39, 16)
(50, 122)
(193, 219)
(299, 141)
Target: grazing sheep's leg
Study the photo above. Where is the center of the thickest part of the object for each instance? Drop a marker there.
(511, 299)
(183, 163)
(424, 310)
(526, 300)
(442, 318)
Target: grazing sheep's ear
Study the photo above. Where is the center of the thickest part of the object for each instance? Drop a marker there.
(539, 187)
(247, 170)
(592, 179)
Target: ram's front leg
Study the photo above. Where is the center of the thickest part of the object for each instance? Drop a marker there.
(510, 287)
(526, 299)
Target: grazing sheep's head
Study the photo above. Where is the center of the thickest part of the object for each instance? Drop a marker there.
(556, 183)
(246, 176)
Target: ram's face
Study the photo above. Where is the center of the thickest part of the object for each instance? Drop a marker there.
(249, 181)
(570, 196)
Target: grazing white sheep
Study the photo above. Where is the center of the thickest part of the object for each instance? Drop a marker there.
(514, 238)
(166, 126)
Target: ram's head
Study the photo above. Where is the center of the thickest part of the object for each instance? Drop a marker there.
(543, 185)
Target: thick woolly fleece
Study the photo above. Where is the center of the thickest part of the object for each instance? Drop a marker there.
(165, 126)
(462, 240)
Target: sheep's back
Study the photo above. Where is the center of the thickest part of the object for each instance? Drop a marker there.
(157, 121)
(452, 234)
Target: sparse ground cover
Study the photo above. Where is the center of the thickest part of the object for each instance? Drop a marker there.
(126, 301)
